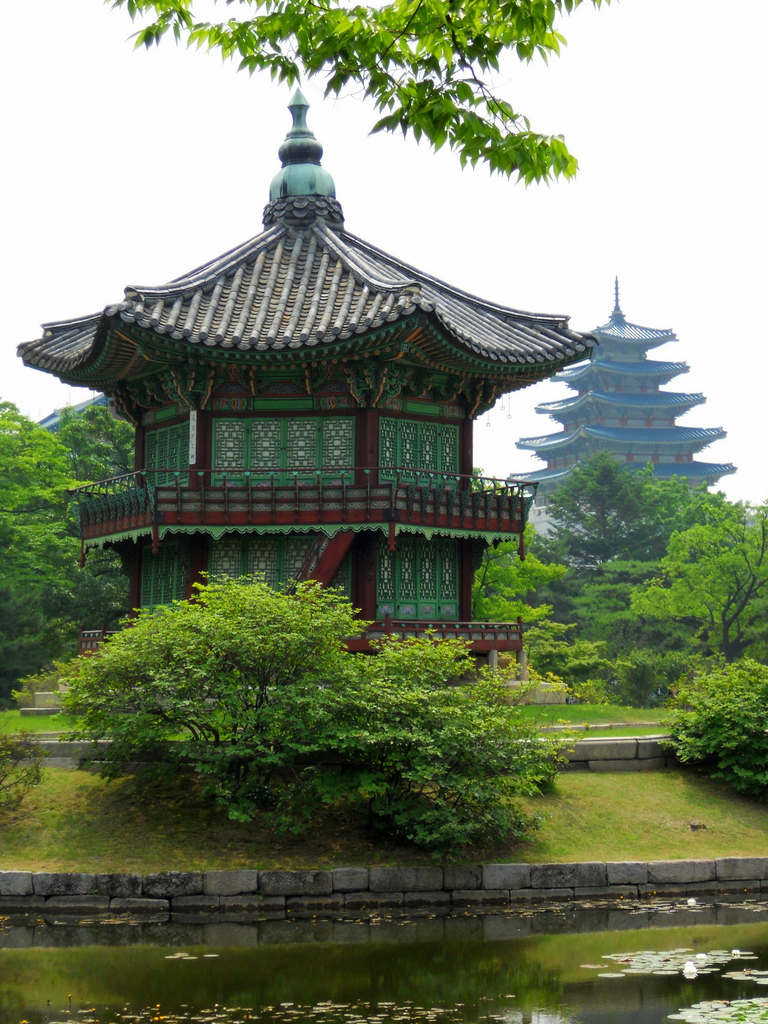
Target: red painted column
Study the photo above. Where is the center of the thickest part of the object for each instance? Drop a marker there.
(364, 550)
(134, 587)
(465, 580)
(465, 446)
(198, 562)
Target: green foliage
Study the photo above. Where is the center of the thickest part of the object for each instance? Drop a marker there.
(591, 691)
(43, 593)
(47, 680)
(657, 573)
(426, 65)
(604, 511)
(552, 648)
(504, 582)
(721, 717)
(438, 766)
(715, 574)
(279, 716)
(21, 768)
(98, 444)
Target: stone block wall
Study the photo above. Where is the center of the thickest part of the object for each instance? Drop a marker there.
(620, 754)
(262, 895)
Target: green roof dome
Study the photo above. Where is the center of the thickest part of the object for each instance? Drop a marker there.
(301, 173)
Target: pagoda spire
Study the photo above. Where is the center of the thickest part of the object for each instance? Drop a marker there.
(617, 314)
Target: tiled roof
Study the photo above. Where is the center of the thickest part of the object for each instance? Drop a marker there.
(302, 283)
(620, 329)
(674, 437)
(664, 470)
(694, 470)
(646, 368)
(667, 400)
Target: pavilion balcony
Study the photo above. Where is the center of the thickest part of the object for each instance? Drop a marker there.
(241, 498)
(483, 637)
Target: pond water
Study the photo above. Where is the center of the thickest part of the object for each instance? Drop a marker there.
(534, 967)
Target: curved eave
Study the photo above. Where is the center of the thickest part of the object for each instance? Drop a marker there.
(66, 346)
(620, 329)
(650, 370)
(543, 476)
(662, 401)
(688, 439)
(710, 471)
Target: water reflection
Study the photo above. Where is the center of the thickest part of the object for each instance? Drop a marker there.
(500, 968)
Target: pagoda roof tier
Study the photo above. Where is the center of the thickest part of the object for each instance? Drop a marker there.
(618, 329)
(645, 370)
(709, 471)
(687, 439)
(664, 401)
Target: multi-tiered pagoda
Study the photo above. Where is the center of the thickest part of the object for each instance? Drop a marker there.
(303, 408)
(619, 407)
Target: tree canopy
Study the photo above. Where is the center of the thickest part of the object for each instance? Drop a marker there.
(427, 65)
(43, 593)
(716, 575)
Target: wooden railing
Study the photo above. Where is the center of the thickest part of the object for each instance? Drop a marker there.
(482, 636)
(302, 496)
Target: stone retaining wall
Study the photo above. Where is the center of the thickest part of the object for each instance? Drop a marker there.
(603, 754)
(258, 895)
(620, 754)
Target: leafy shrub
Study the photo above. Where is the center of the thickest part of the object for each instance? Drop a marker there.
(279, 716)
(721, 717)
(21, 767)
(591, 691)
(47, 680)
(436, 765)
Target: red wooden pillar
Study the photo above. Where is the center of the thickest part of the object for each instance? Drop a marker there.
(364, 550)
(465, 580)
(204, 445)
(366, 444)
(465, 446)
(139, 447)
(198, 562)
(364, 573)
(134, 586)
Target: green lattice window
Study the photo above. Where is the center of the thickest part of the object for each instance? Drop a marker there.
(167, 448)
(419, 580)
(162, 576)
(278, 558)
(413, 445)
(286, 444)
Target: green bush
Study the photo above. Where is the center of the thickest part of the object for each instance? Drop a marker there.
(721, 717)
(47, 680)
(21, 766)
(439, 766)
(280, 717)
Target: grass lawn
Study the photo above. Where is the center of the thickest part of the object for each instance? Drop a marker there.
(645, 816)
(12, 721)
(76, 822)
(591, 715)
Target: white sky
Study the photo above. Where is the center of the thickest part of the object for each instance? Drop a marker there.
(125, 167)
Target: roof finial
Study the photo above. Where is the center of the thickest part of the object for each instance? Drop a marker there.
(300, 154)
(617, 313)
